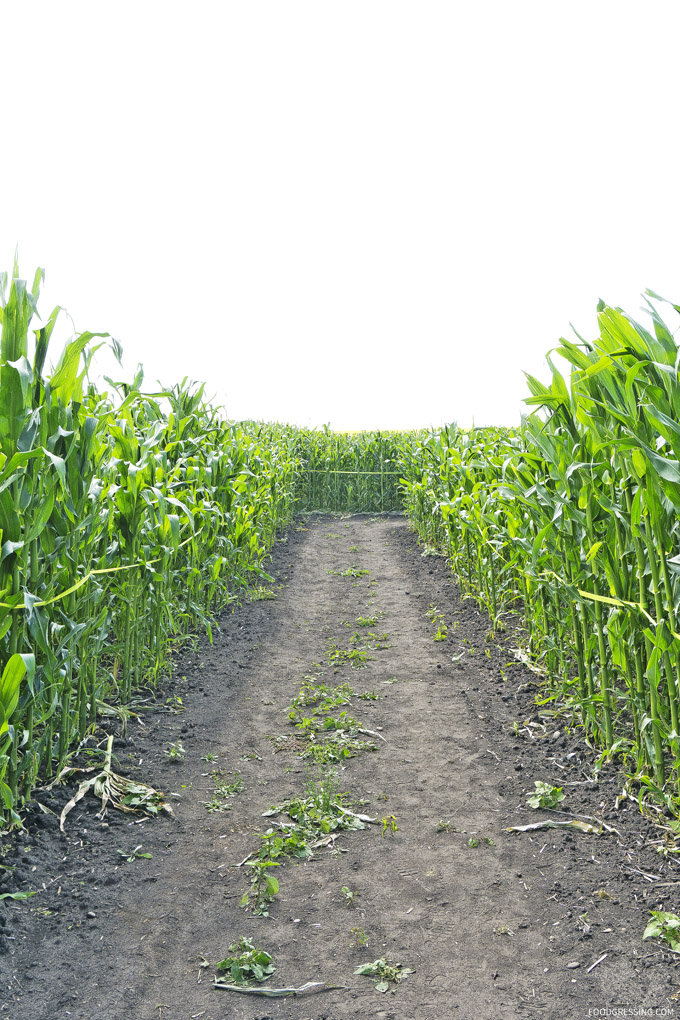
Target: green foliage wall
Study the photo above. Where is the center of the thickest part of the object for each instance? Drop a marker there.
(127, 521)
(571, 522)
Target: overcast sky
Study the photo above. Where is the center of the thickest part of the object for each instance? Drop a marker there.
(368, 213)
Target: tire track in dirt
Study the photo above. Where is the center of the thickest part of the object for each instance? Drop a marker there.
(476, 922)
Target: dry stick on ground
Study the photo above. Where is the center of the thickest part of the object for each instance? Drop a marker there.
(594, 965)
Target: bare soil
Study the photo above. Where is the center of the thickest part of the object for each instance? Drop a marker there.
(547, 923)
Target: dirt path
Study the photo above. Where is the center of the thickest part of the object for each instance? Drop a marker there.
(489, 929)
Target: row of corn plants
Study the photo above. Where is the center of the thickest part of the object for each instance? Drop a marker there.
(354, 472)
(572, 523)
(128, 520)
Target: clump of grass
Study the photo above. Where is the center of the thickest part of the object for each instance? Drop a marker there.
(224, 790)
(260, 593)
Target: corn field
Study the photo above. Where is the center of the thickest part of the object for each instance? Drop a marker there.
(130, 520)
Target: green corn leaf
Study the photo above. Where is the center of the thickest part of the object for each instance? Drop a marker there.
(12, 675)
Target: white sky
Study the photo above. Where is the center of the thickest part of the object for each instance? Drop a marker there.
(368, 213)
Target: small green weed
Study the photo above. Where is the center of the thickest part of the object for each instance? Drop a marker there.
(389, 823)
(141, 796)
(175, 752)
(430, 550)
(437, 619)
(263, 888)
(134, 855)
(349, 895)
(224, 788)
(666, 926)
(290, 842)
(246, 964)
(385, 971)
(545, 796)
(332, 739)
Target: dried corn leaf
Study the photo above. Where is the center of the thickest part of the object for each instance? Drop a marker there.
(274, 993)
(124, 794)
(595, 826)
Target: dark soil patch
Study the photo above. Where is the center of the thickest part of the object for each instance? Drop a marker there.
(490, 930)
